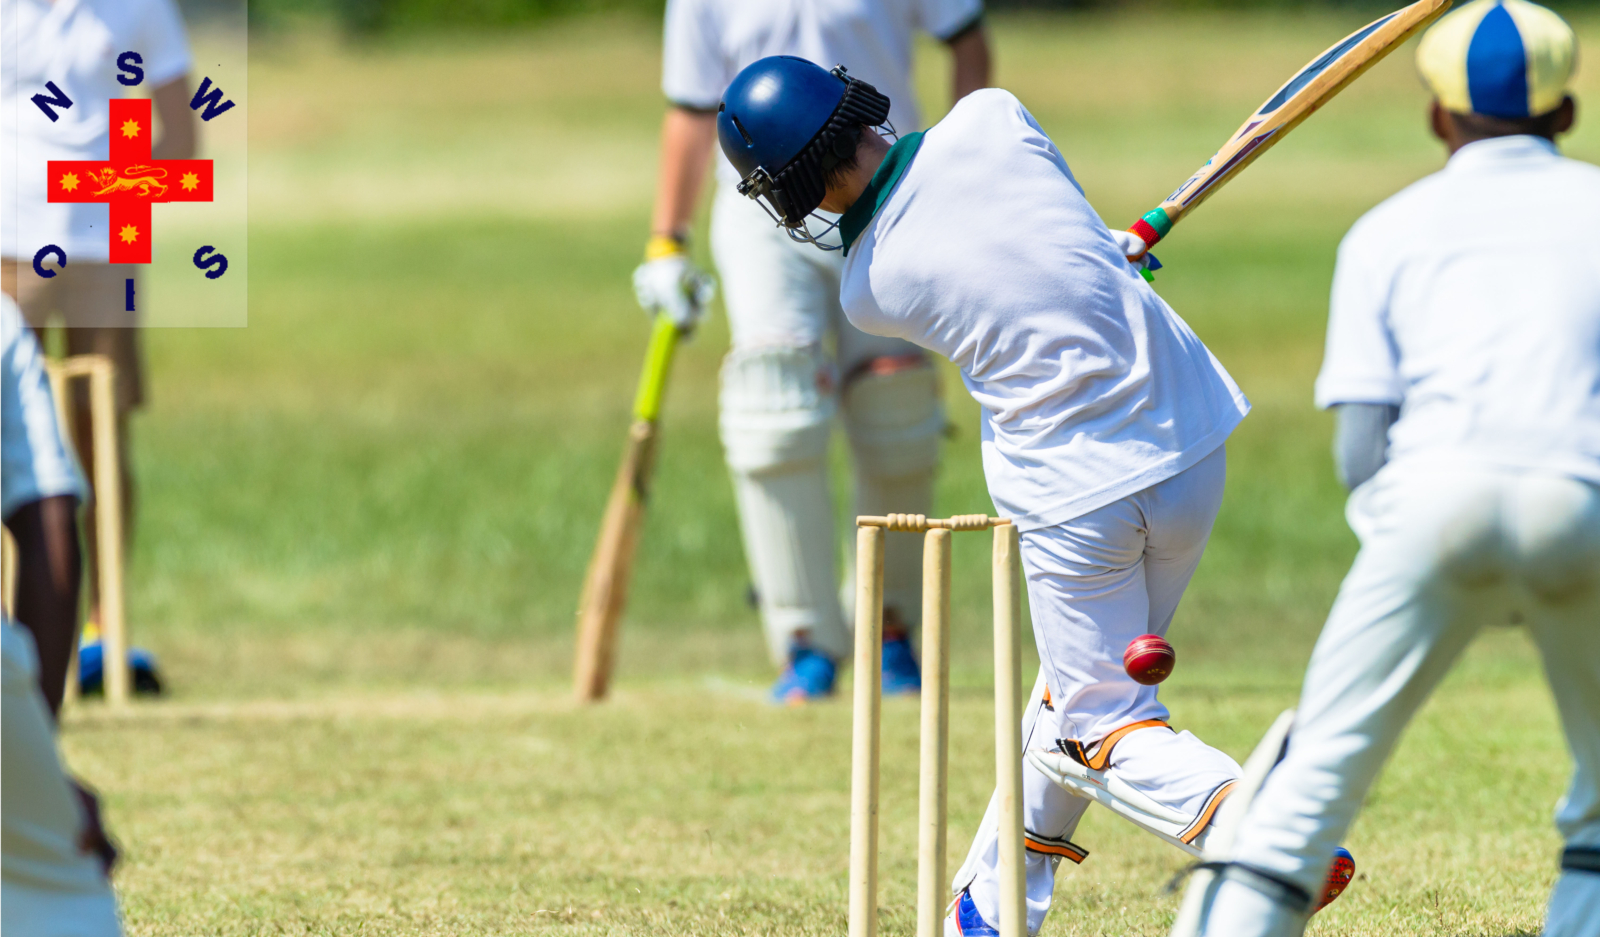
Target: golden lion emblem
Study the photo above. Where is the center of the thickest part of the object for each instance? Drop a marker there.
(139, 180)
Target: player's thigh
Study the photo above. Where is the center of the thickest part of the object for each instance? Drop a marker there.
(1086, 588)
(1430, 573)
(1179, 515)
(774, 294)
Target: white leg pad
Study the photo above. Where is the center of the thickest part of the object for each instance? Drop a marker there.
(1574, 906)
(777, 408)
(895, 420)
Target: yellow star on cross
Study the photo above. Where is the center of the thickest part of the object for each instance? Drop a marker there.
(129, 234)
(130, 128)
(190, 182)
(69, 182)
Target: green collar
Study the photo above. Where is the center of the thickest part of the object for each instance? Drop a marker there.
(877, 191)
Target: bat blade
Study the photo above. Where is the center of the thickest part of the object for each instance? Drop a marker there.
(1311, 87)
(605, 586)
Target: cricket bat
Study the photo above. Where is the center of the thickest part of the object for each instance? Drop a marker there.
(1310, 88)
(605, 586)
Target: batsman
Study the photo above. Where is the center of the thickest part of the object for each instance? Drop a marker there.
(1104, 416)
(797, 365)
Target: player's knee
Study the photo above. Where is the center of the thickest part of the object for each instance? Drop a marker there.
(777, 407)
(894, 416)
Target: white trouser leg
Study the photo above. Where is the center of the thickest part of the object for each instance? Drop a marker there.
(1095, 583)
(51, 888)
(1441, 551)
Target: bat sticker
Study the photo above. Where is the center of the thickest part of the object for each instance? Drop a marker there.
(1320, 65)
(1222, 173)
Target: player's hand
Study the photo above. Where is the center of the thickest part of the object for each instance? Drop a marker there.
(93, 838)
(671, 285)
(1133, 246)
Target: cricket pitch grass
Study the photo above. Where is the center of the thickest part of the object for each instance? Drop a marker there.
(363, 521)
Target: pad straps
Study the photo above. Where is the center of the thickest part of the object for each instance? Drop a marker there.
(1581, 859)
(1285, 893)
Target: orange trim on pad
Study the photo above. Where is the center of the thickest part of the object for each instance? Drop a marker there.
(1210, 810)
(1102, 754)
(1060, 848)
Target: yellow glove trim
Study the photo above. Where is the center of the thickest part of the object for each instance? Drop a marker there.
(663, 245)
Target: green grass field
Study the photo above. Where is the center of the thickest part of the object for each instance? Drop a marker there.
(363, 521)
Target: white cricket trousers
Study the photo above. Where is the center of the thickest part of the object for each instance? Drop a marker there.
(1444, 551)
(49, 888)
(796, 366)
(1095, 583)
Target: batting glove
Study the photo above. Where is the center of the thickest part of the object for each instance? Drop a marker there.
(669, 284)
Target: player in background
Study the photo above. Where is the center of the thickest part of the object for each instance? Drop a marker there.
(76, 45)
(1104, 416)
(40, 490)
(1468, 305)
(796, 362)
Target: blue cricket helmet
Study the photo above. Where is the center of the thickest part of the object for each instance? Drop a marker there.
(785, 122)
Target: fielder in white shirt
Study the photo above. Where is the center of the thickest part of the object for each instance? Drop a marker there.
(796, 364)
(1468, 304)
(1104, 416)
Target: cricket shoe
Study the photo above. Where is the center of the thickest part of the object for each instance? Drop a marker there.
(901, 676)
(1340, 874)
(965, 921)
(809, 676)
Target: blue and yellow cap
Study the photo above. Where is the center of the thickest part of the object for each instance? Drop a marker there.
(1499, 58)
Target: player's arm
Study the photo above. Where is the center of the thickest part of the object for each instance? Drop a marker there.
(970, 65)
(178, 137)
(1361, 440)
(668, 283)
(686, 138)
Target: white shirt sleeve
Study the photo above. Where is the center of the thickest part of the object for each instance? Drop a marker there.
(163, 42)
(1361, 363)
(945, 18)
(694, 72)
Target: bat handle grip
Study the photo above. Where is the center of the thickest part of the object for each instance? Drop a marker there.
(657, 363)
(1152, 227)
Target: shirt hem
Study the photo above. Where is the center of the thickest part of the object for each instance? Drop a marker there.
(1138, 481)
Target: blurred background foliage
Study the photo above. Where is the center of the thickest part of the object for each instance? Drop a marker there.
(373, 17)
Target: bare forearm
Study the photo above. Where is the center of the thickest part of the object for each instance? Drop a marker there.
(171, 102)
(686, 139)
(970, 65)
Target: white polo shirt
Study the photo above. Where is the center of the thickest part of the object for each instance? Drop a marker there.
(75, 44)
(708, 42)
(983, 248)
(1471, 299)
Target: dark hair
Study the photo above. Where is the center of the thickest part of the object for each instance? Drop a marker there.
(1484, 127)
(799, 187)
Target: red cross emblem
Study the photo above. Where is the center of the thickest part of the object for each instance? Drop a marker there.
(130, 180)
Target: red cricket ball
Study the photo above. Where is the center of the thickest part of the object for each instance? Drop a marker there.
(1149, 659)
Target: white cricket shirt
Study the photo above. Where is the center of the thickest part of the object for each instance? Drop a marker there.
(708, 42)
(1471, 299)
(984, 249)
(74, 43)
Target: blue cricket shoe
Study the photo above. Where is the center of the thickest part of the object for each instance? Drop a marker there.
(965, 921)
(901, 675)
(809, 676)
(142, 663)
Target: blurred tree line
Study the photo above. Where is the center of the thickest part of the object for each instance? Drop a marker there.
(366, 17)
